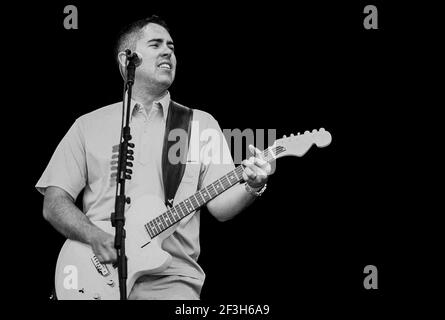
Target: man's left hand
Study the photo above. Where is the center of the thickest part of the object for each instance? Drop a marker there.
(256, 169)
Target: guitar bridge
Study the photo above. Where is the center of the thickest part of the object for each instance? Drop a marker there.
(101, 268)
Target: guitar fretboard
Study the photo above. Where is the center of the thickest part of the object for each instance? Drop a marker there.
(201, 197)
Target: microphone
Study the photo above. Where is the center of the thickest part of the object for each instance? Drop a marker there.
(134, 57)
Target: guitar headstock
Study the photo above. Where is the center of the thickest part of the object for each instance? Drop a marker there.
(298, 145)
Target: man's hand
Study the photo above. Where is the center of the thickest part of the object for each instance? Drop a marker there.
(233, 201)
(256, 169)
(102, 244)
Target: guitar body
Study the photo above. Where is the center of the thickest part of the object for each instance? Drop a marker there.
(80, 276)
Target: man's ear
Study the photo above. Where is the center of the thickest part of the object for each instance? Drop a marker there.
(122, 58)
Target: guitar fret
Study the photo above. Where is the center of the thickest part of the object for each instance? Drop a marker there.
(213, 192)
(167, 219)
(170, 216)
(225, 181)
(239, 173)
(164, 224)
(178, 211)
(152, 228)
(175, 213)
(156, 226)
(229, 180)
(147, 227)
(161, 226)
(188, 205)
(218, 187)
(205, 194)
(194, 202)
(152, 233)
(183, 209)
(198, 203)
(159, 223)
(232, 179)
(199, 198)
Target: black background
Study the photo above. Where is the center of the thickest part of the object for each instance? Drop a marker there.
(297, 67)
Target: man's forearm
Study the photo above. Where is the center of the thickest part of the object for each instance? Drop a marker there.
(66, 218)
(230, 203)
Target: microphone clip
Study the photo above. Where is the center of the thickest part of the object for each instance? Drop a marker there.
(133, 57)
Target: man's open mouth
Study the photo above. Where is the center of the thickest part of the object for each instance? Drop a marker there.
(165, 65)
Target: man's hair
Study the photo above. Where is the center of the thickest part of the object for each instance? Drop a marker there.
(131, 33)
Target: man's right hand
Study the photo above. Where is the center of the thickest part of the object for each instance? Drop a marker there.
(102, 244)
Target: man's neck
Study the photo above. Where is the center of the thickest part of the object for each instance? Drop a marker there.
(147, 98)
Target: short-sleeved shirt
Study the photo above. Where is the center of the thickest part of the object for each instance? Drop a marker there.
(86, 158)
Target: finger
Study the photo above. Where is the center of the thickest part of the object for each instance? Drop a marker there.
(103, 259)
(249, 162)
(246, 172)
(250, 173)
(110, 257)
(113, 256)
(264, 168)
(255, 151)
(261, 176)
(260, 162)
(268, 168)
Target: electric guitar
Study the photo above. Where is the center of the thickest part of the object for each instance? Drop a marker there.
(79, 274)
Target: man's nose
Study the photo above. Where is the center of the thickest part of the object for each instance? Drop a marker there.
(167, 51)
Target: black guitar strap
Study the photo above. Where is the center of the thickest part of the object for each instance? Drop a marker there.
(179, 117)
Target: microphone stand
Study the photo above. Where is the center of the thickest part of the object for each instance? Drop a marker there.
(123, 173)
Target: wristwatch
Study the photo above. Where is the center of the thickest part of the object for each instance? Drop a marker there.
(256, 191)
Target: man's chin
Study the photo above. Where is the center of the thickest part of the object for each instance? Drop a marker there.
(165, 81)
(161, 82)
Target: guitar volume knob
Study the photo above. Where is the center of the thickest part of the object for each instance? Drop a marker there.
(96, 296)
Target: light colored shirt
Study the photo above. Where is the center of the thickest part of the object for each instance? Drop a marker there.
(86, 158)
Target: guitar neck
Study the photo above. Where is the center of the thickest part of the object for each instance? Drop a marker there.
(201, 197)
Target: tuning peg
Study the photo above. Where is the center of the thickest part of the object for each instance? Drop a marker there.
(284, 136)
(321, 129)
(306, 132)
(314, 131)
(291, 134)
(298, 134)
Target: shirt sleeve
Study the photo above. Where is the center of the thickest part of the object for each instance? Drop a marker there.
(215, 156)
(67, 167)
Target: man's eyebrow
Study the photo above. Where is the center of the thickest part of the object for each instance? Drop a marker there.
(160, 40)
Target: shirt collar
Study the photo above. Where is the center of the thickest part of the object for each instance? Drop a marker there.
(164, 102)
